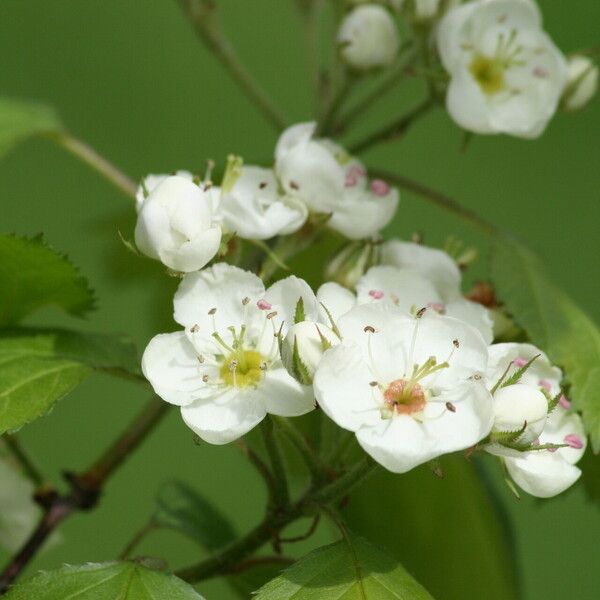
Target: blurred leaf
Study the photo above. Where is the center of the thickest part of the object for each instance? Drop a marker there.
(448, 532)
(181, 508)
(40, 366)
(554, 323)
(18, 511)
(247, 583)
(122, 581)
(351, 569)
(590, 476)
(33, 275)
(22, 119)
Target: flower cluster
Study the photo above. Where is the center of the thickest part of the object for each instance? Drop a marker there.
(506, 75)
(397, 355)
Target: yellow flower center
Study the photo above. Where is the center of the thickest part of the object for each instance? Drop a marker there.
(488, 73)
(243, 369)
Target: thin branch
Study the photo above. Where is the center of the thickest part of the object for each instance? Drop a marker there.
(136, 540)
(437, 198)
(85, 489)
(336, 102)
(280, 487)
(395, 129)
(29, 468)
(100, 164)
(202, 14)
(251, 563)
(300, 538)
(260, 466)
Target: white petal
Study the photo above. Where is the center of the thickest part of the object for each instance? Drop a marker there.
(294, 135)
(467, 104)
(282, 395)
(450, 35)
(223, 287)
(542, 474)
(561, 427)
(226, 418)
(337, 299)
(172, 367)
(474, 314)
(517, 404)
(195, 254)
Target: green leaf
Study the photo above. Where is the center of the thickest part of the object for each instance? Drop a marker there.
(40, 366)
(350, 569)
(110, 581)
(22, 119)
(33, 275)
(447, 532)
(554, 323)
(246, 584)
(181, 508)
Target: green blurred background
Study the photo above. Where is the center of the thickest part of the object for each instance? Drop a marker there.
(131, 79)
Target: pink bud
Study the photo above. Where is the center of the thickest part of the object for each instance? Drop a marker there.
(264, 305)
(574, 441)
(564, 402)
(380, 187)
(520, 362)
(376, 294)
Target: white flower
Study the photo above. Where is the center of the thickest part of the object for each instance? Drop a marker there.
(330, 181)
(507, 76)
(176, 225)
(224, 370)
(368, 37)
(303, 348)
(150, 182)
(410, 388)
(414, 275)
(583, 82)
(335, 299)
(254, 209)
(546, 473)
(421, 9)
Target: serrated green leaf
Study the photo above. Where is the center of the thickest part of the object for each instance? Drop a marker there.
(448, 532)
(40, 366)
(110, 581)
(554, 323)
(33, 275)
(350, 569)
(22, 119)
(181, 508)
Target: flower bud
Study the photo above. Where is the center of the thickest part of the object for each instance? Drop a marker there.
(352, 262)
(303, 348)
(517, 405)
(368, 37)
(176, 225)
(582, 84)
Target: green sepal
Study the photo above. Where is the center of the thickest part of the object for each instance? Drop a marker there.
(334, 327)
(233, 172)
(129, 244)
(300, 373)
(507, 437)
(552, 402)
(516, 376)
(299, 315)
(325, 343)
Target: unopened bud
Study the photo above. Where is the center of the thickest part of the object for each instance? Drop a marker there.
(517, 404)
(423, 10)
(303, 348)
(352, 262)
(582, 84)
(368, 37)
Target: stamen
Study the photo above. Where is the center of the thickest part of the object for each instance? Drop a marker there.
(262, 185)
(564, 402)
(574, 441)
(376, 294)
(201, 359)
(245, 301)
(212, 311)
(272, 314)
(205, 378)
(380, 188)
(294, 185)
(195, 328)
(264, 305)
(373, 383)
(369, 329)
(520, 362)
(451, 407)
(544, 383)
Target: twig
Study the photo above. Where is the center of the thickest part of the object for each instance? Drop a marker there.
(437, 198)
(85, 489)
(260, 466)
(394, 130)
(300, 538)
(136, 540)
(100, 164)
(26, 463)
(336, 102)
(280, 487)
(202, 15)
(250, 563)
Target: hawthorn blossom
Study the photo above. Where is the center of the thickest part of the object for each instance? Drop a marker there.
(150, 182)
(368, 37)
(329, 181)
(224, 370)
(507, 76)
(253, 208)
(177, 225)
(583, 82)
(410, 388)
(540, 414)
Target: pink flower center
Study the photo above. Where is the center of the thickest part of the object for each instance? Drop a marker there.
(380, 187)
(376, 294)
(264, 305)
(520, 362)
(574, 441)
(564, 402)
(404, 398)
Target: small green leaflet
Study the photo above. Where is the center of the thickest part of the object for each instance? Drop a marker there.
(40, 366)
(554, 323)
(352, 569)
(20, 120)
(181, 508)
(125, 581)
(33, 275)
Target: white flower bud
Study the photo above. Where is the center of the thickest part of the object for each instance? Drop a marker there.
(518, 404)
(368, 37)
(303, 348)
(582, 83)
(176, 225)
